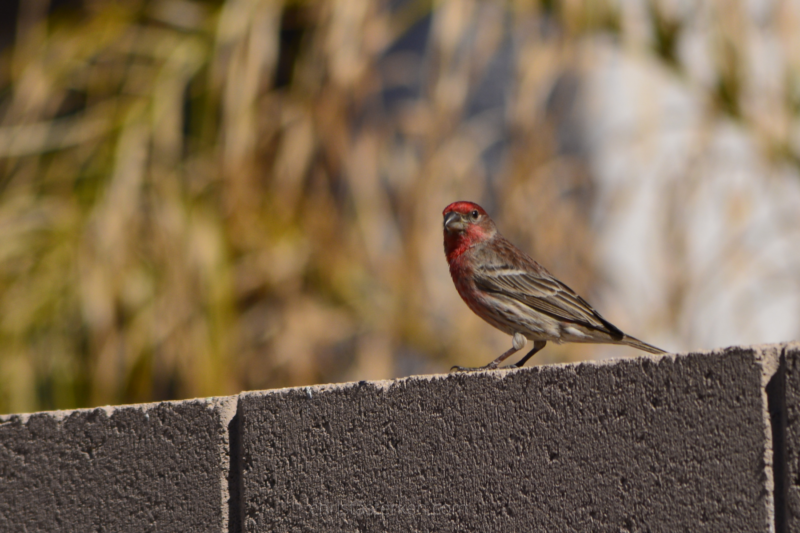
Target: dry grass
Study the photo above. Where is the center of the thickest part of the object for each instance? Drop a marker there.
(199, 197)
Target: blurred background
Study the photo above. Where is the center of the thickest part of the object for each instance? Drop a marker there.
(204, 197)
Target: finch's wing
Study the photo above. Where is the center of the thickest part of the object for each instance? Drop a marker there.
(535, 288)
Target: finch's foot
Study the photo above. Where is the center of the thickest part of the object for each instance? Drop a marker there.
(490, 366)
(517, 343)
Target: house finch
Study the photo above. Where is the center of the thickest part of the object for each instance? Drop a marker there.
(514, 293)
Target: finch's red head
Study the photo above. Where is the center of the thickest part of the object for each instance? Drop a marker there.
(465, 224)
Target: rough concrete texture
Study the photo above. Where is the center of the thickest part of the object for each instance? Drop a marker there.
(648, 444)
(157, 467)
(678, 443)
(787, 485)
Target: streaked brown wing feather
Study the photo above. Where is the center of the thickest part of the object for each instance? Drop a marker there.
(541, 292)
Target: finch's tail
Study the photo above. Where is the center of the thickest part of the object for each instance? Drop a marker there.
(639, 345)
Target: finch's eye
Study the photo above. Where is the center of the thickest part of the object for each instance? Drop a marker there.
(475, 214)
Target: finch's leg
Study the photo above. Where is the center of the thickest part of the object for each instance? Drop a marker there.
(517, 343)
(537, 345)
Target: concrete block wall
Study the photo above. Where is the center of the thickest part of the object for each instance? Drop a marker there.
(695, 442)
(154, 467)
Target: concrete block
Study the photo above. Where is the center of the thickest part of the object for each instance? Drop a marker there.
(677, 443)
(787, 486)
(155, 467)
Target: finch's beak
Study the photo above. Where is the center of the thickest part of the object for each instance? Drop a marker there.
(454, 222)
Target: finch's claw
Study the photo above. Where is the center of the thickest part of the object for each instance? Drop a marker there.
(490, 366)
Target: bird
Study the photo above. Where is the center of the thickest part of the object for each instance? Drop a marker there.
(515, 294)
